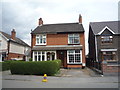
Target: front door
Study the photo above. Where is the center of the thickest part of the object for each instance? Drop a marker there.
(62, 55)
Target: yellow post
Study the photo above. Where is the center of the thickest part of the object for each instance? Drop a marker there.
(45, 78)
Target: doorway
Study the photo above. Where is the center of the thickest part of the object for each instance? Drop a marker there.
(62, 55)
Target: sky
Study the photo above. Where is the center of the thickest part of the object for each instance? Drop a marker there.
(23, 15)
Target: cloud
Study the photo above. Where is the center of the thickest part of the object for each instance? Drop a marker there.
(23, 15)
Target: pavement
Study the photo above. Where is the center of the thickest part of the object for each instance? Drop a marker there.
(67, 78)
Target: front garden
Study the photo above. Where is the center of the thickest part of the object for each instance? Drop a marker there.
(32, 67)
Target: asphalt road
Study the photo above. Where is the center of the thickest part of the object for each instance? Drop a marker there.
(68, 79)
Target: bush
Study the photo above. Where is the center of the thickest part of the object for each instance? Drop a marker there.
(30, 59)
(6, 65)
(35, 67)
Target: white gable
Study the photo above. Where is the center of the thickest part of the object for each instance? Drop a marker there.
(106, 27)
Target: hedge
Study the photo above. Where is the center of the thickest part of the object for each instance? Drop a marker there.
(35, 67)
(6, 65)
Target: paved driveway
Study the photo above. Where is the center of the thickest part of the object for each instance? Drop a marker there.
(80, 78)
(86, 72)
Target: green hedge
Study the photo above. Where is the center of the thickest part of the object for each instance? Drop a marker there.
(35, 67)
(6, 65)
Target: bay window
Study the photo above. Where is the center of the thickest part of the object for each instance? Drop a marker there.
(39, 56)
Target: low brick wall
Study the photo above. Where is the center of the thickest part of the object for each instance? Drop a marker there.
(110, 69)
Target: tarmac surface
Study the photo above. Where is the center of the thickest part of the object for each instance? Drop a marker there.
(68, 78)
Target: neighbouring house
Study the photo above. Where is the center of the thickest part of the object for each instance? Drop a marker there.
(64, 41)
(104, 49)
(11, 47)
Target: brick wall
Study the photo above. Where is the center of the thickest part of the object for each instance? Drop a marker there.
(15, 55)
(33, 40)
(57, 39)
(82, 42)
(110, 69)
(74, 66)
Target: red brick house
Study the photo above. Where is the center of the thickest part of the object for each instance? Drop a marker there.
(64, 41)
(12, 47)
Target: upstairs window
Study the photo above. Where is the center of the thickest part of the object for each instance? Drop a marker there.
(41, 39)
(73, 39)
(106, 39)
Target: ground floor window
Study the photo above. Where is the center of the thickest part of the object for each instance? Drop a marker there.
(74, 56)
(44, 55)
(39, 56)
(109, 55)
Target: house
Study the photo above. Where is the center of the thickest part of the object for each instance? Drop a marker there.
(104, 52)
(11, 47)
(64, 41)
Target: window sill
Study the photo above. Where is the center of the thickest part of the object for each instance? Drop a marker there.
(74, 63)
(74, 44)
(106, 43)
(113, 65)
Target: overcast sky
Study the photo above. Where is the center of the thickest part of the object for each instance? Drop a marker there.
(23, 15)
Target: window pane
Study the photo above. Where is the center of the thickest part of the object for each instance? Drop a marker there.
(35, 58)
(43, 57)
(76, 40)
(71, 58)
(35, 53)
(39, 52)
(77, 58)
(44, 40)
(77, 51)
(71, 51)
(39, 57)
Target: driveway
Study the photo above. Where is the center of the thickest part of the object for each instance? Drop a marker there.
(72, 78)
(86, 72)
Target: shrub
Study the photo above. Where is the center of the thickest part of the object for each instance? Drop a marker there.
(35, 67)
(30, 59)
(6, 65)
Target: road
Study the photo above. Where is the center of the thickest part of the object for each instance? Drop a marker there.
(65, 81)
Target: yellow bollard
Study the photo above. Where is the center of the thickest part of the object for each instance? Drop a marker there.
(45, 78)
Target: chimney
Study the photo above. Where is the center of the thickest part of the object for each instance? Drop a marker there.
(13, 34)
(80, 18)
(40, 23)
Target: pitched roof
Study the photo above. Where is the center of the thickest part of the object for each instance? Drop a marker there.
(99, 26)
(17, 40)
(58, 28)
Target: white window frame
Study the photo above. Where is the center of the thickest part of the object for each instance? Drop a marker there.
(73, 35)
(74, 57)
(40, 55)
(45, 55)
(38, 37)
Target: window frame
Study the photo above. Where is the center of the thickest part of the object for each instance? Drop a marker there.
(37, 54)
(73, 36)
(38, 39)
(74, 54)
(110, 41)
(113, 54)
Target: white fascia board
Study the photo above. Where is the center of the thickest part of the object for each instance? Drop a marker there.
(106, 27)
(4, 37)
